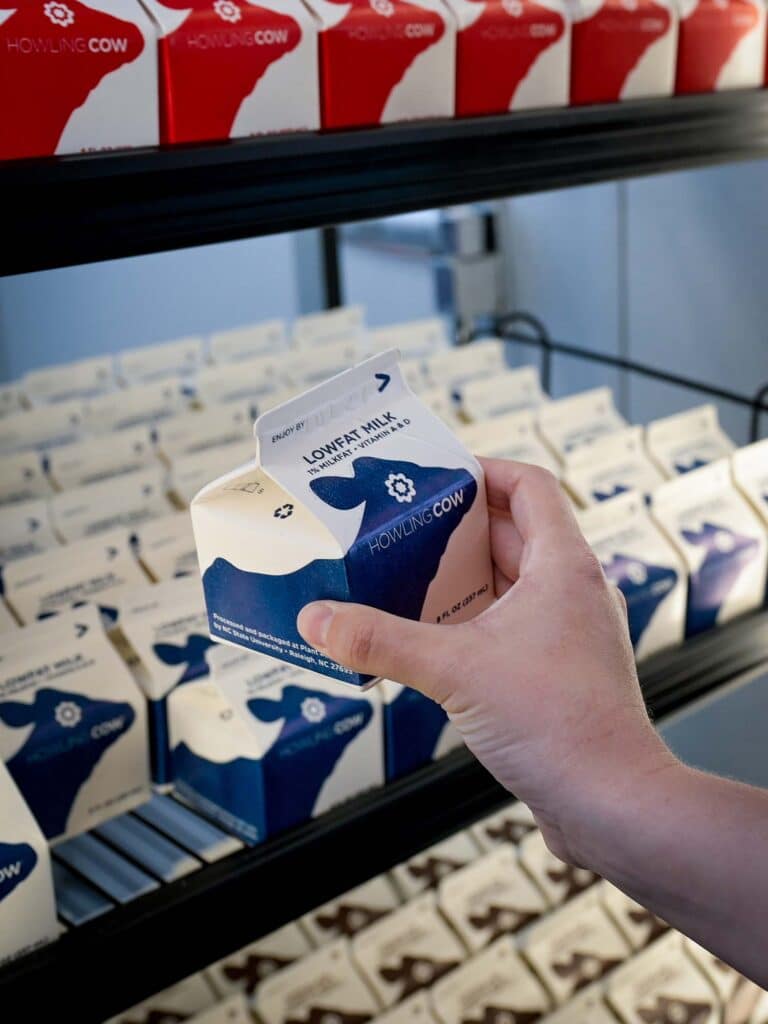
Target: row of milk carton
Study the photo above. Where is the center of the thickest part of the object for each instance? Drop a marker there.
(288, 65)
(485, 925)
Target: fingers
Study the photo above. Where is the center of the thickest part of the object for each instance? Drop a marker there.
(506, 547)
(379, 644)
(538, 508)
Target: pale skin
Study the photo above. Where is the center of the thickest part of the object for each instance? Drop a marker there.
(544, 690)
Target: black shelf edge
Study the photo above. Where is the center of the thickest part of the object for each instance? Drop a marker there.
(145, 946)
(84, 208)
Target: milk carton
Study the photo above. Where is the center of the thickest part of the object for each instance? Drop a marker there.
(343, 323)
(27, 905)
(724, 544)
(750, 473)
(455, 367)
(557, 880)
(426, 869)
(304, 369)
(721, 46)
(193, 432)
(662, 984)
(508, 826)
(609, 466)
(189, 473)
(180, 1002)
(322, 985)
(639, 926)
(169, 359)
(642, 562)
(357, 485)
(46, 427)
(163, 636)
(506, 392)
(642, 40)
(511, 55)
(385, 62)
(406, 951)
(575, 946)
(167, 546)
(258, 63)
(233, 1010)
(416, 729)
(25, 529)
(351, 913)
(513, 436)
(494, 985)
(237, 344)
(88, 570)
(70, 381)
(570, 423)
(127, 500)
(22, 477)
(266, 746)
(101, 458)
(246, 969)
(73, 731)
(687, 441)
(246, 381)
(144, 404)
(414, 339)
(70, 67)
(490, 897)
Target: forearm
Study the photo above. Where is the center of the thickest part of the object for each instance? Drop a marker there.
(692, 848)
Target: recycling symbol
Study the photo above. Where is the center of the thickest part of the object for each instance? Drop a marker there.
(283, 512)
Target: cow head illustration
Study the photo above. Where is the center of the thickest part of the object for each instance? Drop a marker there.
(349, 919)
(415, 972)
(604, 494)
(501, 921)
(683, 466)
(190, 654)
(581, 969)
(508, 831)
(159, 1016)
(644, 587)
(727, 554)
(432, 869)
(70, 733)
(330, 1015)
(674, 1011)
(645, 919)
(504, 1015)
(574, 880)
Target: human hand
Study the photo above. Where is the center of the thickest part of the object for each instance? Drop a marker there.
(542, 685)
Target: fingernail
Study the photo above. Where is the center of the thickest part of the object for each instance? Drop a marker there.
(314, 621)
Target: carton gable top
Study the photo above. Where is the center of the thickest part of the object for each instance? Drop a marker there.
(509, 391)
(688, 440)
(239, 343)
(570, 422)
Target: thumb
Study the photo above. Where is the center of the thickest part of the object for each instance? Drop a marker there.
(379, 644)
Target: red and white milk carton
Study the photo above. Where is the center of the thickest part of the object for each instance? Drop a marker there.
(76, 76)
(721, 46)
(622, 49)
(385, 60)
(235, 67)
(511, 55)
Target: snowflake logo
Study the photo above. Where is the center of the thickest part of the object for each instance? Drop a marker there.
(383, 7)
(313, 709)
(514, 8)
(637, 573)
(227, 10)
(724, 542)
(68, 714)
(59, 13)
(283, 512)
(400, 487)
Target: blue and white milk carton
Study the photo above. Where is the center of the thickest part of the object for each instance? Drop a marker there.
(27, 906)
(416, 729)
(163, 636)
(73, 731)
(644, 565)
(722, 541)
(502, 393)
(750, 473)
(359, 493)
(265, 746)
(611, 465)
(687, 441)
